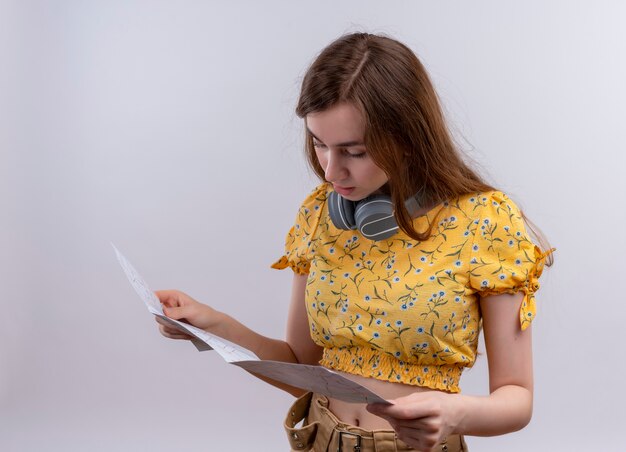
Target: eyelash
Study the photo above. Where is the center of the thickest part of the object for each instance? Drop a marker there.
(356, 156)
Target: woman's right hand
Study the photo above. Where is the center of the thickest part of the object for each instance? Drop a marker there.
(180, 306)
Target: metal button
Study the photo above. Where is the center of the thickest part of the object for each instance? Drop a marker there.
(294, 435)
(299, 445)
(444, 448)
(293, 414)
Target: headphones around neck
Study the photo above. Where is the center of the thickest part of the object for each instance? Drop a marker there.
(372, 216)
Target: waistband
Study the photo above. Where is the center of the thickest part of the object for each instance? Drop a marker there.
(371, 363)
(322, 431)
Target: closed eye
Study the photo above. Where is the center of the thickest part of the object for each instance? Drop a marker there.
(358, 155)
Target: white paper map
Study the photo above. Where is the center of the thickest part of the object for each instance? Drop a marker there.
(312, 378)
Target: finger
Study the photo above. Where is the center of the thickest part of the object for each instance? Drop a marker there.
(166, 325)
(172, 333)
(402, 410)
(169, 297)
(179, 312)
(424, 426)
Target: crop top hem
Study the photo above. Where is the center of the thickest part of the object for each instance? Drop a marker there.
(371, 363)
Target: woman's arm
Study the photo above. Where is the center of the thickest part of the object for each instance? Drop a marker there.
(509, 353)
(298, 347)
(424, 419)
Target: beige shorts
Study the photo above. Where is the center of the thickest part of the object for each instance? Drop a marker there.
(321, 431)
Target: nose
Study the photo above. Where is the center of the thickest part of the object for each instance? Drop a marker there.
(334, 168)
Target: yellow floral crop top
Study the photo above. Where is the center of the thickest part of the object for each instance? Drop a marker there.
(407, 311)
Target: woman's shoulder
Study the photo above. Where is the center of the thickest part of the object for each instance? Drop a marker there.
(485, 204)
(315, 199)
(320, 192)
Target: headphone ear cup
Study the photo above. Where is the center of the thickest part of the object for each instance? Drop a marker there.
(374, 217)
(341, 211)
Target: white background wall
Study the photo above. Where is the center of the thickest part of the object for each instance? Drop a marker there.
(168, 128)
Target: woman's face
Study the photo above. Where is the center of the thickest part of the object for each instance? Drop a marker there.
(338, 136)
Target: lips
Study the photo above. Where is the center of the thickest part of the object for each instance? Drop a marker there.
(343, 191)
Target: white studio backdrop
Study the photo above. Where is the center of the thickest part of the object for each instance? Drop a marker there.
(168, 128)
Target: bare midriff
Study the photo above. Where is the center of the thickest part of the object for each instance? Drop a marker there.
(356, 413)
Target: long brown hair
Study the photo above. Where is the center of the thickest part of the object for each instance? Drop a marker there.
(405, 134)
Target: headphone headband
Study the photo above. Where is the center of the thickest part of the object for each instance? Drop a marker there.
(372, 216)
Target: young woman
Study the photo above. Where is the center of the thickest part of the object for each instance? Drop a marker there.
(397, 309)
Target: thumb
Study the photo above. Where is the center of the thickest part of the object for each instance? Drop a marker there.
(178, 312)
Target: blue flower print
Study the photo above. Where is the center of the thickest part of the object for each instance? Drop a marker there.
(420, 329)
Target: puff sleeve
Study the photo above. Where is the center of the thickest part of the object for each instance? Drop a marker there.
(300, 237)
(503, 258)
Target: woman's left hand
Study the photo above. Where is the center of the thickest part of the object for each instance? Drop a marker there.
(423, 420)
